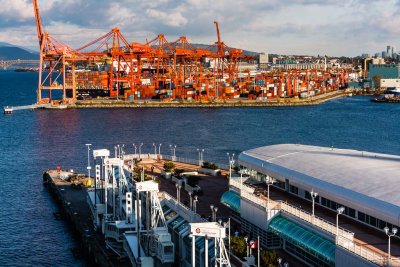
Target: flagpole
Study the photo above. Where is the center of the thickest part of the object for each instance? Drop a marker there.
(258, 249)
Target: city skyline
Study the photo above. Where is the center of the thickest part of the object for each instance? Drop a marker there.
(307, 27)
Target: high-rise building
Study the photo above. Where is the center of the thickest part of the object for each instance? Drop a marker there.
(388, 51)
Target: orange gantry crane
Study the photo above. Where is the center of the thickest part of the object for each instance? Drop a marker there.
(113, 67)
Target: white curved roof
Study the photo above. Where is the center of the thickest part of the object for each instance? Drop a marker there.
(370, 180)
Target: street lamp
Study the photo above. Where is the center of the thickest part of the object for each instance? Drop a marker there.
(279, 262)
(313, 196)
(215, 213)
(140, 150)
(135, 148)
(201, 151)
(390, 234)
(159, 149)
(251, 245)
(195, 200)
(115, 151)
(190, 200)
(247, 245)
(155, 149)
(122, 150)
(269, 181)
(178, 192)
(339, 211)
(212, 212)
(88, 159)
(172, 148)
(118, 151)
(231, 162)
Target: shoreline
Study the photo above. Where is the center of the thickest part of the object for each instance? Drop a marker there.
(217, 104)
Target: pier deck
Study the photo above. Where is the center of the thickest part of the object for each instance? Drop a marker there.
(73, 207)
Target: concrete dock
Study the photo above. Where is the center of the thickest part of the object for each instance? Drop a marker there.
(71, 199)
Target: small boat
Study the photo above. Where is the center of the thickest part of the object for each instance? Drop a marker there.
(7, 110)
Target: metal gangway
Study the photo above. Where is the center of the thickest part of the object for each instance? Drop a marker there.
(11, 109)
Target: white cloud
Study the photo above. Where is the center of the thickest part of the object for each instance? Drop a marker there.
(279, 26)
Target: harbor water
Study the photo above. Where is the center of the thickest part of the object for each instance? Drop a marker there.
(34, 141)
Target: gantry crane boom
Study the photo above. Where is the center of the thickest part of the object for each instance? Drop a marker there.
(220, 50)
(39, 26)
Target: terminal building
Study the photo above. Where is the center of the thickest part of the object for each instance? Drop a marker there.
(361, 187)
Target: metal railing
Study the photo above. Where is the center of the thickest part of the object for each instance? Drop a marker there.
(344, 239)
(316, 221)
(362, 251)
(180, 208)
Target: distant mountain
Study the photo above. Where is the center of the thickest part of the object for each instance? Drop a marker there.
(10, 52)
(245, 52)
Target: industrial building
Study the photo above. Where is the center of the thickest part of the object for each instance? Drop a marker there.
(361, 187)
(385, 71)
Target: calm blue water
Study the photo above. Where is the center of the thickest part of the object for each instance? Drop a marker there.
(32, 142)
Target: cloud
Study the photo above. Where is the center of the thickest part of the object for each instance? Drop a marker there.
(279, 26)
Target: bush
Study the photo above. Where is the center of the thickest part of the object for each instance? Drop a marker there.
(209, 165)
(238, 246)
(178, 172)
(268, 257)
(168, 166)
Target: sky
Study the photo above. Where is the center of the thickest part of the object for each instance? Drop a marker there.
(291, 27)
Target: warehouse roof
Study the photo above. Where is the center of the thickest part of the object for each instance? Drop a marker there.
(342, 171)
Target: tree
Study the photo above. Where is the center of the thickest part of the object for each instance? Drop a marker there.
(377, 81)
(168, 166)
(238, 246)
(268, 257)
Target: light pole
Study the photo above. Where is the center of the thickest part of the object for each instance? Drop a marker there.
(172, 148)
(251, 245)
(313, 196)
(390, 234)
(122, 150)
(201, 151)
(279, 262)
(269, 181)
(115, 151)
(135, 148)
(215, 213)
(88, 159)
(155, 150)
(247, 246)
(195, 200)
(231, 163)
(212, 212)
(178, 193)
(190, 200)
(118, 151)
(159, 149)
(339, 211)
(140, 150)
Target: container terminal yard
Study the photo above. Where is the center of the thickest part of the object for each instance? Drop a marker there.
(113, 68)
(138, 211)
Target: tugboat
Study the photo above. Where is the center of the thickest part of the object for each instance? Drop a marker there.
(392, 95)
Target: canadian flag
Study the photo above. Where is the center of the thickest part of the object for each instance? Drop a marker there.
(254, 245)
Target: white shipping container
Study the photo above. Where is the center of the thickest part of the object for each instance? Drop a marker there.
(145, 81)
